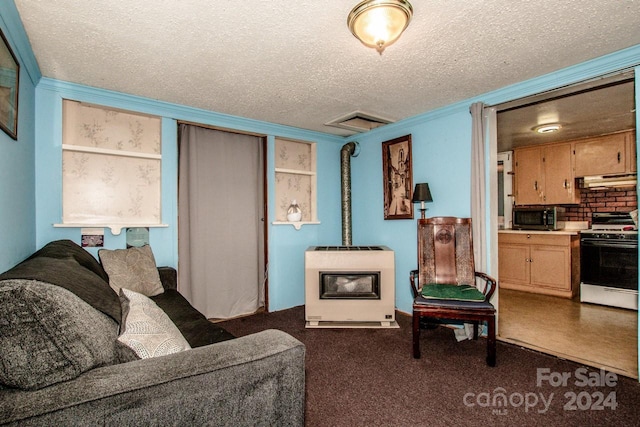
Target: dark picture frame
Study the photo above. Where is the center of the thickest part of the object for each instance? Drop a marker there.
(9, 84)
(397, 176)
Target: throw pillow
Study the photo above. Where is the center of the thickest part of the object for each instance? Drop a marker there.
(49, 335)
(452, 292)
(147, 329)
(133, 268)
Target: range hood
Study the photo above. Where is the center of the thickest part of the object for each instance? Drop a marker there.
(609, 181)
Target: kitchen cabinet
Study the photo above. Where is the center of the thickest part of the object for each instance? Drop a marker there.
(612, 154)
(632, 152)
(544, 175)
(528, 175)
(545, 262)
(559, 180)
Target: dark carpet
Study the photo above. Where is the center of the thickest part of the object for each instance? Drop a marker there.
(367, 377)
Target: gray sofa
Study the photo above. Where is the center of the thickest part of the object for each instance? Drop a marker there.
(81, 375)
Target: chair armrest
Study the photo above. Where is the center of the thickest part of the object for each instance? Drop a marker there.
(490, 286)
(168, 277)
(413, 278)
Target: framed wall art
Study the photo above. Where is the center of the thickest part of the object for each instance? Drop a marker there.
(9, 74)
(397, 174)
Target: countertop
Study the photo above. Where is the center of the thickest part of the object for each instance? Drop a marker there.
(554, 232)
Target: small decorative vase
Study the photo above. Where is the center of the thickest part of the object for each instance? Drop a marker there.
(294, 213)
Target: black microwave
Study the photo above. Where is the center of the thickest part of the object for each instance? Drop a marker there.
(542, 218)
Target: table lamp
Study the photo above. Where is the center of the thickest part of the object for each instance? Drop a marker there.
(422, 194)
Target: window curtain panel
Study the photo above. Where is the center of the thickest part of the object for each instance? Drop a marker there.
(220, 225)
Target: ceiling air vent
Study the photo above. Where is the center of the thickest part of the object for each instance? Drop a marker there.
(358, 122)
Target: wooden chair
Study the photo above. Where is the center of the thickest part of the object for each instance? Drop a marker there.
(444, 286)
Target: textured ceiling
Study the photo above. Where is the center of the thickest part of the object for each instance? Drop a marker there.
(296, 63)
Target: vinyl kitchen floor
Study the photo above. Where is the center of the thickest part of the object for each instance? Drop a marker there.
(598, 336)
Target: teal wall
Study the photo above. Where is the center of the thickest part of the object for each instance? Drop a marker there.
(441, 151)
(286, 245)
(441, 146)
(17, 173)
(441, 156)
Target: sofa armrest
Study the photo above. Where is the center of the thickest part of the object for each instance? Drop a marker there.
(258, 379)
(168, 277)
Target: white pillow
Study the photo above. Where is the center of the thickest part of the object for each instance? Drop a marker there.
(146, 329)
(133, 268)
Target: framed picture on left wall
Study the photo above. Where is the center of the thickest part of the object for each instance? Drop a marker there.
(9, 79)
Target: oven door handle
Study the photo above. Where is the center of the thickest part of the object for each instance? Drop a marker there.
(601, 244)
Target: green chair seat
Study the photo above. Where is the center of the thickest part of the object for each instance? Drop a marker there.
(452, 292)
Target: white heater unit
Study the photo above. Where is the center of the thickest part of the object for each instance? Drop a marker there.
(350, 287)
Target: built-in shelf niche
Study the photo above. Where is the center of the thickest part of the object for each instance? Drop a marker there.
(295, 179)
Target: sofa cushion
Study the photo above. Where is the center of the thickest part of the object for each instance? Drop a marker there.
(147, 329)
(49, 335)
(134, 269)
(193, 325)
(66, 272)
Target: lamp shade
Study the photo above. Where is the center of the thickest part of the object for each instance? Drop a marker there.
(422, 193)
(379, 23)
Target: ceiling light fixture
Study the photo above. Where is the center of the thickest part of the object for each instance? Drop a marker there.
(552, 127)
(379, 23)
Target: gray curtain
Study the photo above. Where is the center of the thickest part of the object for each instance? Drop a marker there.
(478, 186)
(221, 266)
(478, 199)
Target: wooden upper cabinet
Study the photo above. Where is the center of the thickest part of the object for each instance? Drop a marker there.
(559, 180)
(632, 165)
(605, 155)
(544, 175)
(528, 175)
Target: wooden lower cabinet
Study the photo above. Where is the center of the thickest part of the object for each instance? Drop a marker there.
(544, 263)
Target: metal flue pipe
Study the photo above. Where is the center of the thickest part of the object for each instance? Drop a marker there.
(348, 150)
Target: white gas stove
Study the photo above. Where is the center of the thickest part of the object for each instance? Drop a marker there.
(609, 261)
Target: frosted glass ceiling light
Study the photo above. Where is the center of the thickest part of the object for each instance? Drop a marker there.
(549, 128)
(379, 23)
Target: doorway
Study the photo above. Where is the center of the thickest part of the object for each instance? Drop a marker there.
(592, 334)
(222, 234)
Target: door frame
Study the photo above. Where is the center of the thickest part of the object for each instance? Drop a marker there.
(492, 159)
